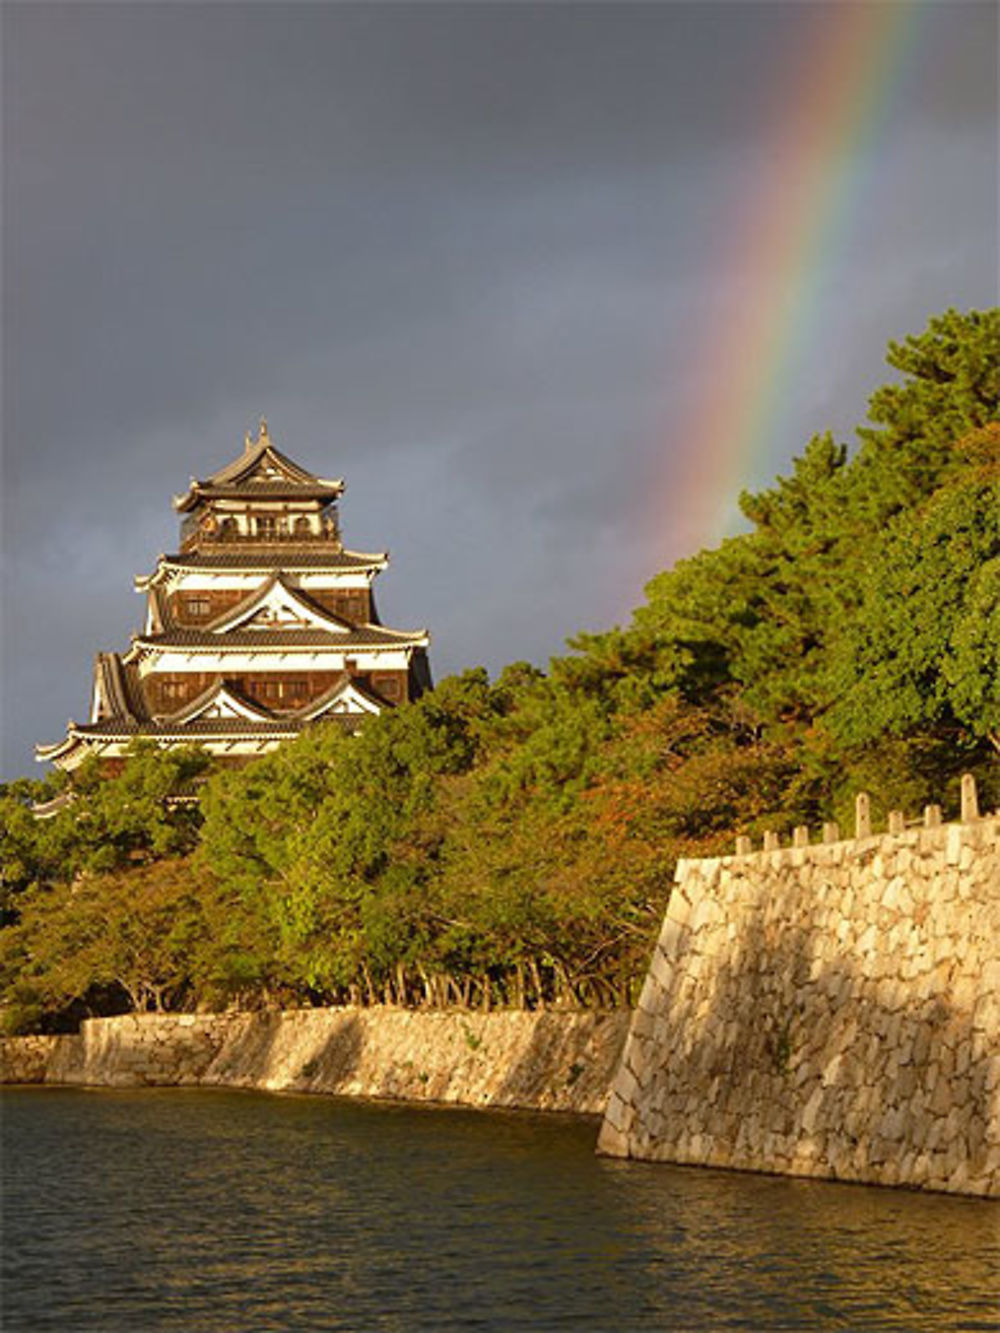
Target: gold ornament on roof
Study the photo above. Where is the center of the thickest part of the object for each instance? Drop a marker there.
(263, 437)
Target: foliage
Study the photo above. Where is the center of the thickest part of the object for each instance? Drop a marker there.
(513, 842)
(950, 389)
(133, 930)
(923, 655)
(108, 823)
(23, 858)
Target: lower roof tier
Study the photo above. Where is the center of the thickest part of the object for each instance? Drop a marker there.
(222, 737)
(362, 636)
(223, 714)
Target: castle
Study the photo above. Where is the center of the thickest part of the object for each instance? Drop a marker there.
(261, 625)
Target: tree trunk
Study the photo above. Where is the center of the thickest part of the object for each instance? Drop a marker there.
(572, 995)
(536, 976)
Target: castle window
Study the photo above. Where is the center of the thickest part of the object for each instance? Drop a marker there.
(387, 686)
(198, 607)
(266, 525)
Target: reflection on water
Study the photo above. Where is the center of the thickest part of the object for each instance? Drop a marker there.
(184, 1210)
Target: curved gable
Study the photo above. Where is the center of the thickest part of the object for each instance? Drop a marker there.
(277, 606)
(218, 700)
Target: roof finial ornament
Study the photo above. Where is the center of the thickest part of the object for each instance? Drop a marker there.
(247, 442)
(263, 438)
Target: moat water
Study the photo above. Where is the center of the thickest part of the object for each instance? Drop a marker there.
(217, 1211)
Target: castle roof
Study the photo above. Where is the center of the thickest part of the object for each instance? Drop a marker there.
(222, 700)
(260, 472)
(290, 560)
(220, 712)
(363, 636)
(287, 561)
(199, 732)
(117, 686)
(276, 595)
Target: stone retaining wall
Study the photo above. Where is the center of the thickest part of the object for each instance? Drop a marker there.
(26, 1059)
(554, 1061)
(828, 1010)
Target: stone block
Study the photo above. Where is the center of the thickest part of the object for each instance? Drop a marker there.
(953, 844)
(639, 1055)
(662, 968)
(679, 910)
(644, 1025)
(626, 1084)
(612, 1142)
(986, 1015)
(650, 995)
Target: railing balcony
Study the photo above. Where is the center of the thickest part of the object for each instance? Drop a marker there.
(196, 537)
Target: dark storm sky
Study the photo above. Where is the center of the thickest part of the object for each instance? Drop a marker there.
(454, 253)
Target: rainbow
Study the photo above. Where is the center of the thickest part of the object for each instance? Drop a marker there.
(823, 132)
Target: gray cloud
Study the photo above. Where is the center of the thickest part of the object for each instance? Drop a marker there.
(459, 253)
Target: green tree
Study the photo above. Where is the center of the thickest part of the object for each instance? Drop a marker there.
(305, 834)
(923, 654)
(950, 389)
(133, 930)
(26, 856)
(147, 811)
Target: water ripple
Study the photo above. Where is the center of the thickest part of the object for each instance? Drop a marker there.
(167, 1210)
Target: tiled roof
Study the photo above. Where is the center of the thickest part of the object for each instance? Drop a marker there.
(121, 688)
(161, 616)
(270, 490)
(277, 559)
(367, 636)
(212, 690)
(220, 726)
(316, 706)
(253, 454)
(46, 809)
(236, 478)
(256, 597)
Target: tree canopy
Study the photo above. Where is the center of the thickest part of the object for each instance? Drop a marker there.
(513, 841)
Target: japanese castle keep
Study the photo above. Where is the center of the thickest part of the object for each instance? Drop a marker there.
(261, 625)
